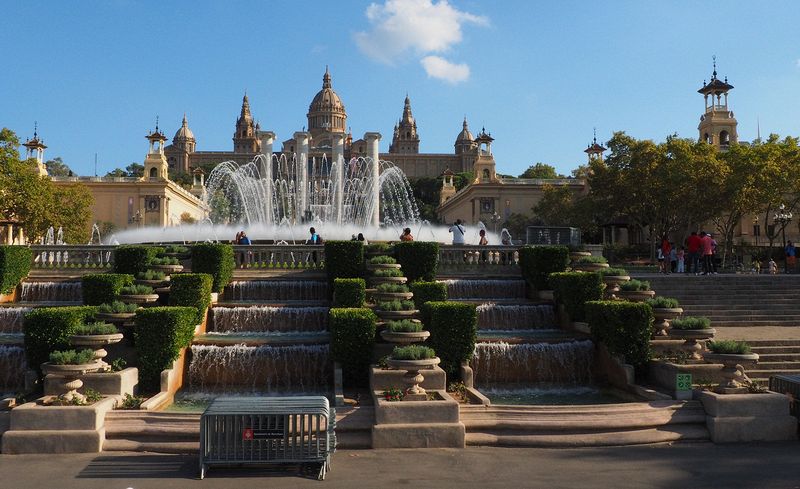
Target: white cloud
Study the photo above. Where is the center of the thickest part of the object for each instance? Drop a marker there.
(419, 27)
(438, 67)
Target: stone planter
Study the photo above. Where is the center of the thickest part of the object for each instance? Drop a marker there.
(115, 317)
(390, 296)
(70, 377)
(732, 370)
(394, 315)
(138, 298)
(577, 255)
(636, 295)
(690, 337)
(96, 342)
(663, 315)
(405, 338)
(166, 268)
(387, 280)
(382, 266)
(589, 267)
(612, 284)
(412, 376)
(153, 283)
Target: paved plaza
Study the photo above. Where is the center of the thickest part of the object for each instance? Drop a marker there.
(701, 465)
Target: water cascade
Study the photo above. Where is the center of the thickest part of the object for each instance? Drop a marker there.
(51, 292)
(12, 368)
(11, 319)
(485, 289)
(499, 363)
(260, 369)
(268, 319)
(276, 290)
(515, 317)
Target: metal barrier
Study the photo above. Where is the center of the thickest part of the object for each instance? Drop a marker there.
(268, 430)
(789, 385)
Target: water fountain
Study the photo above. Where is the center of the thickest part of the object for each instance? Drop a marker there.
(51, 292)
(11, 319)
(485, 289)
(269, 319)
(12, 368)
(493, 316)
(276, 290)
(501, 363)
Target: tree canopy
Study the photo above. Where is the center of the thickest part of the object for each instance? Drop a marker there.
(57, 168)
(541, 170)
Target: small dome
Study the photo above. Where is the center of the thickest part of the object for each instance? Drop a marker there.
(326, 99)
(184, 133)
(465, 136)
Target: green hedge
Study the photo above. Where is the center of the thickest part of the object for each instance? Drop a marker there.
(103, 288)
(574, 289)
(454, 331)
(15, 263)
(191, 290)
(49, 328)
(538, 262)
(419, 259)
(160, 334)
(344, 259)
(428, 292)
(352, 341)
(624, 327)
(215, 259)
(349, 292)
(133, 259)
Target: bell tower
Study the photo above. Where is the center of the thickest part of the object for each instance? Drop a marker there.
(155, 164)
(448, 187)
(406, 139)
(34, 148)
(594, 151)
(484, 166)
(717, 124)
(244, 139)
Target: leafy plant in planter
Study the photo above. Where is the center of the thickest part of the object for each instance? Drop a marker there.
(166, 260)
(691, 329)
(635, 286)
(378, 247)
(691, 323)
(396, 306)
(729, 347)
(615, 272)
(393, 394)
(733, 355)
(117, 307)
(152, 275)
(392, 272)
(662, 302)
(136, 290)
(392, 288)
(72, 357)
(131, 402)
(382, 260)
(103, 287)
(97, 328)
(404, 326)
(176, 249)
(413, 352)
(592, 259)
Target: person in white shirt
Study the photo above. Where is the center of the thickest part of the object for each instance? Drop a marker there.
(458, 232)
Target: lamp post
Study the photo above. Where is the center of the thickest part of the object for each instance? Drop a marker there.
(783, 218)
(496, 219)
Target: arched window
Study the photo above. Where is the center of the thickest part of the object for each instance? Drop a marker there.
(408, 135)
(153, 172)
(724, 138)
(707, 138)
(486, 174)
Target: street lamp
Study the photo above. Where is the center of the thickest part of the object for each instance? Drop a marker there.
(495, 219)
(783, 218)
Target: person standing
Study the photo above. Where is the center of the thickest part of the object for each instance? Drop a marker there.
(458, 232)
(681, 260)
(673, 258)
(315, 239)
(693, 244)
(707, 249)
(406, 236)
(791, 257)
(664, 255)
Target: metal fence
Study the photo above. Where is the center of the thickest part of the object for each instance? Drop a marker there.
(239, 431)
(788, 384)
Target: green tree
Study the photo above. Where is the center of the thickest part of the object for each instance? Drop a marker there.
(117, 173)
(542, 171)
(135, 170)
(57, 168)
(555, 206)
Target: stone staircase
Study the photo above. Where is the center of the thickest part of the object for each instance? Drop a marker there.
(585, 426)
(167, 432)
(776, 357)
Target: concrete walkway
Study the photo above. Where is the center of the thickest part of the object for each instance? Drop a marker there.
(757, 333)
(701, 465)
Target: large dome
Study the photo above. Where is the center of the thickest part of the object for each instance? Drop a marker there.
(464, 136)
(326, 112)
(184, 133)
(326, 99)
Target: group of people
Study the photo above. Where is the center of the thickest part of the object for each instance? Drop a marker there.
(697, 257)
(459, 233)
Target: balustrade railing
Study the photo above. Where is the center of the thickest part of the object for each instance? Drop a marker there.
(479, 259)
(73, 256)
(279, 256)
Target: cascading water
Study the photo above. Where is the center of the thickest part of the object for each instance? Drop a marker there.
(276, 290)
(51, 292)
(268, 319)
(12, 368)
(500, 363)
(485, 289)
(515, 317)
(11, 319)
(260, 369)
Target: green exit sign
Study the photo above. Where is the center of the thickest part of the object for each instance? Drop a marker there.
(683, 382)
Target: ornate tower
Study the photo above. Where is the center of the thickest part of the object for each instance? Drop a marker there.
(405, 139)
(464, 142)
(594, 150)
(245, 139)
(183, 144)
(155, 164)
(34, 148)
(484, 166)
(717, 124)
(448, 188)
(326, 114)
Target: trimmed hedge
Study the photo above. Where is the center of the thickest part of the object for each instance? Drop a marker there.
(349, 292)
(103, 288)
(191, 290)
(48, 329)
(344, 259)
(352, 340)
(538, 262)
(15, 264)
(574, 289)
(160, 334)
(624, 327)
(428, 292)
(419, 259)
(454, 331)
(133, 259)
(215, 259)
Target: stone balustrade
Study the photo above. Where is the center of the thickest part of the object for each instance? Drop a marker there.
(503, 260)
(279, 256)
(73, 256)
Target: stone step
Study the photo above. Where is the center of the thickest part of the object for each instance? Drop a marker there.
(764, 357)
(792, 307)
(774, 350)
(584, 424)
(782, 366)
(758, 373)
(751, 322)
(579, 409)
(674, 433)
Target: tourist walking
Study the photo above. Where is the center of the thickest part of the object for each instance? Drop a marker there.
(693, 244)
(244, 257)
(458, 232)
(791, 257)
(406, 236)
(315, 239)
(707, 251)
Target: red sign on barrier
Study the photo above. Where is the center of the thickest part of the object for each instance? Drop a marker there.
(247, 434)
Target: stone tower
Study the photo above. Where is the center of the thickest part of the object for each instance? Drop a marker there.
(448, 188)
(717, 124)
(245, 139)
(464, 142)
(155, 164)
(594, 150)
(34, 148)
(183, 144)
(405, 139)
(484, 166)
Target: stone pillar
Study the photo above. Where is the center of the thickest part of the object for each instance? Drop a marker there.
(267, 138)
(301, 144)
(373, 139)
(338, 161)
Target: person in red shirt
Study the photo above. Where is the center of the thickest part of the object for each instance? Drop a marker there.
(693, 249)
(666, 248)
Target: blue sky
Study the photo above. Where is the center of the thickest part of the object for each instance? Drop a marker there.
(539, 75)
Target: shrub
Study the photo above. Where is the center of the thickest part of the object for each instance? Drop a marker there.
(382, 260)
(634, 285)
(691, 322)
(136, 290)
(413, 352)
(49, 328)
(191, 290)
(454, 330)
(178, 249)
(96, 328)
(349, 292)
(419, 259)
(662, 303)
(391, 272)
(404, 326)
(71, 357)
(167, 260)
(378, 248)
(131, 402)
(352, 340)
(103, 287)
(538, 262)
(574, 289)
(392, 288)
(624, 327)
(161, 333)
(117, 307)
(152, 275)
(396, 306)
(591, 259)
(15, 264)
(133, 259)
(728, 347)
(215, 259)
(427, 292)
(344, 259)
(618, 272)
